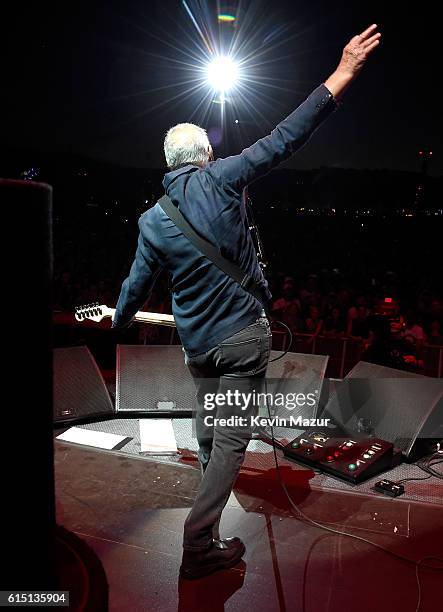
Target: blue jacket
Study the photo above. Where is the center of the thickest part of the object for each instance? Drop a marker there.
(207, 305)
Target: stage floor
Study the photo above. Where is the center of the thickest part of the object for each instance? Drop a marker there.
(260, 460)
(131, 510)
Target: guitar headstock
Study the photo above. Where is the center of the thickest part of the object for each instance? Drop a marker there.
(95, 311)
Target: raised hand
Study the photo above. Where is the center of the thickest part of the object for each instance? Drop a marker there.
(352, 60)
(358, 50)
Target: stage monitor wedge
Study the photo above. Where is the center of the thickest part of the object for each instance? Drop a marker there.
(79, 389)
(400, 407)
(297, 373)
(156, 379)
(153, 379)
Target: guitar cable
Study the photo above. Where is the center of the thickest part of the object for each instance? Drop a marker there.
(291, 338)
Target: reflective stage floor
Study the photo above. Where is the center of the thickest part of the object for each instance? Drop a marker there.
(131, 511)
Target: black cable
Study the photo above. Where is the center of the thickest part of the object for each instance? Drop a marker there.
(289, 345)
(426, 465)
(409, 479)
(306, 519)
(305, 569)
(418, 578)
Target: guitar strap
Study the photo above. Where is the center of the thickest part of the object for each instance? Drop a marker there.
(213, 254)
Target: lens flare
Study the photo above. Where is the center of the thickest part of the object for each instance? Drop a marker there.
(222, 74)
(225, 18)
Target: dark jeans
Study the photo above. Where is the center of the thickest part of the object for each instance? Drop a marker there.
(237, 363)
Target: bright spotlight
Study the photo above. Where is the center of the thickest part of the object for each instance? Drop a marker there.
(222, 74)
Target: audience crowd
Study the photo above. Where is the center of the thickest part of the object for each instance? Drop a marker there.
(391, 331)
(333, 278)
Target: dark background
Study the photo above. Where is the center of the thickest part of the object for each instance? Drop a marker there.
(98, 78)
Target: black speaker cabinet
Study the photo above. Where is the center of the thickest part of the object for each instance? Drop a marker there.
(79, 389)
(399, 407)
(26, 453)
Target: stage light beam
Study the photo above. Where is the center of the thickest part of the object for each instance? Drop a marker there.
(222, 74)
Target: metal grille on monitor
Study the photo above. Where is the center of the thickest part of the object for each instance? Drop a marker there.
(400, 407)
(153, 378)
(79, 388)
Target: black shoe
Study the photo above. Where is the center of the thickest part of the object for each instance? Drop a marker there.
(222, 554)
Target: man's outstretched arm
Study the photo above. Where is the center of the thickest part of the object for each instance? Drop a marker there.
(135, 289)
(294, 131)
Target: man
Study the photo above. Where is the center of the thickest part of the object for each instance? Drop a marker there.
(223, 328)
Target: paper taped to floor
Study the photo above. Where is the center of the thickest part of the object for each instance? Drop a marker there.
(88, 437)
(157, 437)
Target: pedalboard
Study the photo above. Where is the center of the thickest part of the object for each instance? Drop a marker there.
(352, 459)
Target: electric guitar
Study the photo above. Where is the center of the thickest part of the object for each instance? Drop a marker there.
(97, 312)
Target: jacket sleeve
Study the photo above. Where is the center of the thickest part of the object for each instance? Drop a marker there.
(135, 289)
(289, 136)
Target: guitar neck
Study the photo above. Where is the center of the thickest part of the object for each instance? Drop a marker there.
(149, 317)
(97, 312)
(155, 317)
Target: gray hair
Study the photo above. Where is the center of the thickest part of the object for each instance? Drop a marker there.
(186, 143)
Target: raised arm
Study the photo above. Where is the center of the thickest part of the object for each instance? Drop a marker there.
(294, 131)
